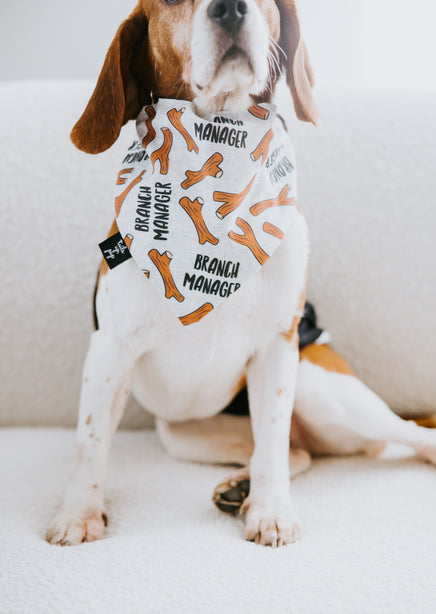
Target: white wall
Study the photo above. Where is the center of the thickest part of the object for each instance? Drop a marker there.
(57, 38)
(381, 43)
(331, 31)
(398, 43)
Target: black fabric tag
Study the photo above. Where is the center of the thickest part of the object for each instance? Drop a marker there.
(114, 250)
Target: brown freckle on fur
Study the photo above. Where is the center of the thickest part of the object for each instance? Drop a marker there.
(88, 420)
(79, 453)
(292, 336)
(273, 420)
(108, 379)
(97, 439)
(126, 391)
(95, 486)
(91, 435)
(279, 392)
(85, 379)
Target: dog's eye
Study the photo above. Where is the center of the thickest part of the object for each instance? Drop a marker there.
(173, 1)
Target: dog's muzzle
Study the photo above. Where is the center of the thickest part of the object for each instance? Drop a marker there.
(229, 14)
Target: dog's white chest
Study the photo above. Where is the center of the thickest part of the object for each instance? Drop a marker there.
(194, 371)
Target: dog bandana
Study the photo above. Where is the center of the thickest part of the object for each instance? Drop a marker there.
(203, 202)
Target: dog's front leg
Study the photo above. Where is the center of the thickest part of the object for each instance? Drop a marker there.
(271, 377)
(105, 387)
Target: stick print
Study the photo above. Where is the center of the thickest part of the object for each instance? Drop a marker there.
(259, 111)
(196, 315)
(211, 168)
(175, 118)
(273, 230)
(122, 197)
(262, 149)
(162, 154)
(282, 200)
(128, 239)
(249, 240)
(151, 132)
(122, 180)
(193, 209)
(231, 201)
(162, 263)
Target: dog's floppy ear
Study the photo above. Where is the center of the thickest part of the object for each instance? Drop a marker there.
(298, 70)
(121, 88)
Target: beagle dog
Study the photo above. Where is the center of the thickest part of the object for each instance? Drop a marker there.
(219, 56)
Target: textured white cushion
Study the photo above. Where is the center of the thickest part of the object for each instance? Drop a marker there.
(368, 539)
(367, 185)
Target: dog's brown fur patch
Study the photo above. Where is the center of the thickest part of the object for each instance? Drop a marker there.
(324, 356)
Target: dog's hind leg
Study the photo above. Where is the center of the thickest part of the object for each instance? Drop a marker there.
(224, 439)
(340, 415)
(106, 380)
(221, 440)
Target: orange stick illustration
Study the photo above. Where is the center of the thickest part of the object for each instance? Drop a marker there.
(249, 240)
(273, 230)
(259, 111)
(162, 154)
(175, 118)
(162, 263)
(231, 201)
(196, 315)
(262, 149)
(193, 209)
(151, 132)
(282, 200)
(211, 168)
(122, 197)
(122, 180)
(128, 239)
(146, 273)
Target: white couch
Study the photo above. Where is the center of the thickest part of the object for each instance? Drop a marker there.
(367, 186)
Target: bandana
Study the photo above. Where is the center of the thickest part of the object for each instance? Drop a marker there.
(203, 202)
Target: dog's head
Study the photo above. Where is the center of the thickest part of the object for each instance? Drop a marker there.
(217, 53)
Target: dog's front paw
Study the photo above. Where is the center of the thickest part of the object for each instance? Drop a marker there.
(231, 494)
(271, 525)
(70, 530)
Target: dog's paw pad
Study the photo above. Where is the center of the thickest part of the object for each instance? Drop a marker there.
(68, 531)
(230, 495)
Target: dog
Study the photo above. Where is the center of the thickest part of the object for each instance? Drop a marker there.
(218, 56)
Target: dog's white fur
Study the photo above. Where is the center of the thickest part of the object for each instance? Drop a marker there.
(184, 375)
(222, 85)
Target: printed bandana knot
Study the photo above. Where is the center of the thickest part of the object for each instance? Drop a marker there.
(202, 203)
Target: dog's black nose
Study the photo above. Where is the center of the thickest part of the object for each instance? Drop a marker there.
(228, 13)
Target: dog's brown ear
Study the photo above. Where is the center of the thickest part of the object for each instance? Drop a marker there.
(122, 88)
(299, 73)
